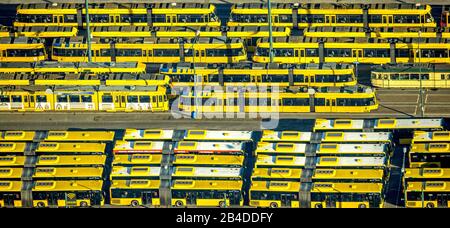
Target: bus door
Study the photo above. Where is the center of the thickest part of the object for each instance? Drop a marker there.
(330, 202)
(442, 200)
(146, 198)
(357, 54)
(330, 19)
(8, 199)
(285, 200)
(388, 20)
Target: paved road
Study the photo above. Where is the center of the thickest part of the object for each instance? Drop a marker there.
(436, 2)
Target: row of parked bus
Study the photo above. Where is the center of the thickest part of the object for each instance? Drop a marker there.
(426, 181)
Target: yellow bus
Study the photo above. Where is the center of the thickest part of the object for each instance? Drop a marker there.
(207, 173)
(193, 147)
(254, 74)
(285, 136)
(216, 135)
(12, 161)
(208, 160)
(431, 136)
(10, 193)
(318, 15)
(428, 194)
(403, 76)
(65, 148)
(75, 193)
(274, 194)
(426, 174)
(329, 100)
(121, 172)
(71, 160)
(137, 159)
(147, 134)
(13, 148)
(284, 161)
(150, 50)
(429, 155)
(68, 173)
(207, 193)
(16, 136)
(347, 195)
(7, 173)
(80, 136)
(276, 174)
(117, 14)
(135, 192)
(349, 175)
(138, 147)
(282, 148)
(21, 50)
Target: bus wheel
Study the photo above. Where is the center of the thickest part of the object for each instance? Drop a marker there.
(178, 203)
(362, 206)
(83, 204)
(40, 204)
(134, 203)
(319, 205)
(430, 205)
(222, 204)
(273, 205)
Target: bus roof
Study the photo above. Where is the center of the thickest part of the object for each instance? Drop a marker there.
(408, 123)
(285, 136)
(218, 135)
(430, 148)
(136, 171)
(138, 147)
(7, 161)
(68, 172)
(428, 173)
(12, 147)
(124, 159)
(334, 148)
(10, 173)
(135, 184)
(17, 135)
(338, 124)
(357, 137)
(208, 147)
(282, 147)
(63, 147)
(148, 134)
(212, 172)
(430, 136)
(80, 136)
(329, 187)
(10, 186)
(330, 161)
(207, 185)
(72, 160)
(203, 159)
(428, 186)
(277, 173)
(280, 160)
(78, 185)
(275, 186)
(347, 174)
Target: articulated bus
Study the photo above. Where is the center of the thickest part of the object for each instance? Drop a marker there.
(71, 160)
(120, 172)
(80, 136)
(207, 193)
(357, 137)
(432, 155)
(7, 173)
(135, 192)
(324, 100)
(294, 50)
(87, 98)
(349, 175)
(412, 76)
(137, 159)
(207, 173)
(69, 148)
(274, 194)
(115, 14)
(21, 49)
(148, 134)
(254, 74)
(206, 160)
(426, 174)
(285, 136)
(10, 193)
(13, 148)
(347, 195)
(150, 50)
(428, 194)
(74, 193)
(68, 173)
(318, 15)
(193, 147)
(17, 136)
(138, 147)
(215, 135)
(431, 136)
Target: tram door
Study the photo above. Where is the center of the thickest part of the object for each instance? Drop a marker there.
(442, 200)
(58, 19)
(388, 20)
(171, 19)
(357, 54)
(331, 105)
(330, 19)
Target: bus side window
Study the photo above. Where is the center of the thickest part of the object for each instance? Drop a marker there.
(296, 53)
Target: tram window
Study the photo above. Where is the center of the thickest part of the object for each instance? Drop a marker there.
(402, 53)
(299, 78)
(41, 98)
(214, 78)
(375, 19)
(262, 52)
(86, 99)
(319, 101)
(144, 99)
(251, 18)
(275, 78)
(406, 19)
(190, 18)
(295, 101)
(376, 53)
(69, 52)
(338, 52)
(23, 52)
(42, 18)
(107, 99)
(284, 52)
(354, 101)
(132, 99)
(349, 18)
(61, 98)
(399, 77)
(237, 78)
(158, 18)
(16, 98)
(434, 53)
(133, 18)
(105, 52)
(70, 18)
(312, 52)
(97, 18)
(4, 98)
(160, 99)
(154, 99)
(128, 52)
(285, 18)
(74, 98)
(166, 52)
(189, 53)
(416, 76)
(224, 52)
